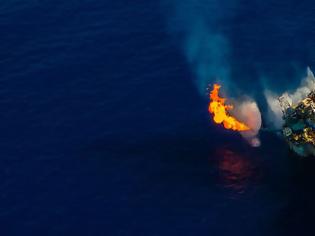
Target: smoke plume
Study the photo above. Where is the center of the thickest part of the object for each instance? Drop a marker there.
(207, 50)
(248, 112)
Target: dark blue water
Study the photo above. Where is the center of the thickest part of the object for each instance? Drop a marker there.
(103, 131)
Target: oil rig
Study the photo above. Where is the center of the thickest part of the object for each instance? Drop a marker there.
(299, 123)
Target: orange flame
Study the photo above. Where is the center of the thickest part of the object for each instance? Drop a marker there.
(219, 110)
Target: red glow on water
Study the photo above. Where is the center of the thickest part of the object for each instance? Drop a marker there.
(236, 170)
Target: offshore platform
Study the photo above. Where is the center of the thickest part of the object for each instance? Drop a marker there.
(299, 123)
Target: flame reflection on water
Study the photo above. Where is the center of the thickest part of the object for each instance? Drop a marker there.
(236, 170)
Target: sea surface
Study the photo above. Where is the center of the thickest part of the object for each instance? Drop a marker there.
(103, 131)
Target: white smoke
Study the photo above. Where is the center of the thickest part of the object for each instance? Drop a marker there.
(248, 112)
(195, 25)
(274, 115)
(275, 112)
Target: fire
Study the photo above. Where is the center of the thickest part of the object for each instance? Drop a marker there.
(219, 110)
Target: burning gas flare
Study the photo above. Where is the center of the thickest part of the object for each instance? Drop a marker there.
(219, 110)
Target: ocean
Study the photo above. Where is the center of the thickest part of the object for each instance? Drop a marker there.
(105, 132)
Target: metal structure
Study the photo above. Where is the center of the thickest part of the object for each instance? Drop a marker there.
(299, 124)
